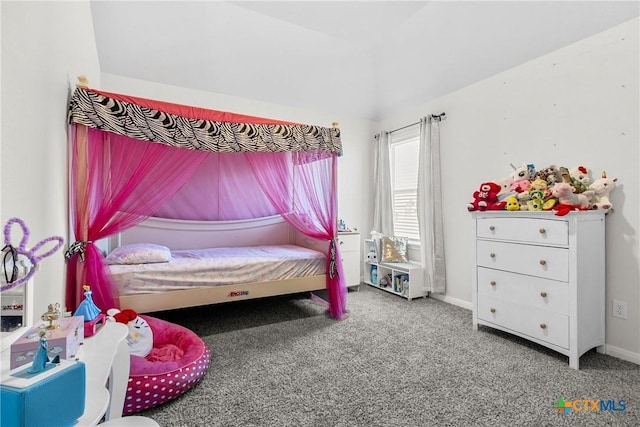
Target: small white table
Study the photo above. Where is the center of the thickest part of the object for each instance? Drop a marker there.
(106, 358)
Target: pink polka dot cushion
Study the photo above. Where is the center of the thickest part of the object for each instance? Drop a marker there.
(178, 361)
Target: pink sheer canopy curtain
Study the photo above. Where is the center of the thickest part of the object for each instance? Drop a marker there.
(302, 187)
(116, 182)
(119, 178)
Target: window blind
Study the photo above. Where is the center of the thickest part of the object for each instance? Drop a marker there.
(404, 150)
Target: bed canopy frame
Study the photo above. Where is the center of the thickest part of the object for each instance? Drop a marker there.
(129, 155)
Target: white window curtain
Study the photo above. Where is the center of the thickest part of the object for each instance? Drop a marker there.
(382, 197)
(430, 206)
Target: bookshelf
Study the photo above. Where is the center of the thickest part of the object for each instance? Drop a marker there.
(403, 279)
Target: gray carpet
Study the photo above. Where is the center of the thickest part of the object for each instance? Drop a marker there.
(282, 362)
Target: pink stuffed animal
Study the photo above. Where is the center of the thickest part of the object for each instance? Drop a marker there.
(563, 191)
(522, 177)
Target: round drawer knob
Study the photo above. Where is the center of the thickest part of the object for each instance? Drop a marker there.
(542, 231)
(493, 310)
(493, 283)
(543, 326)
(492, 255)
(492, 228)
(543, 294)
(543, 262)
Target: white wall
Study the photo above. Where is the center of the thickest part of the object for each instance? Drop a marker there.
(44, 46)
(578, 105)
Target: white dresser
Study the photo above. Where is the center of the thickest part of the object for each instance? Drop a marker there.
(542, 277)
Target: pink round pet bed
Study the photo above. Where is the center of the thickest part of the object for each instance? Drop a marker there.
(178, 360)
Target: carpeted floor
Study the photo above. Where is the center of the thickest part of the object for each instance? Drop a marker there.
(282, 362)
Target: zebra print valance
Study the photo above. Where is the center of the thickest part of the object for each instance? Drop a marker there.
(149, 120)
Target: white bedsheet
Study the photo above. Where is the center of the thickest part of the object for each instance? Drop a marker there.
(219, 266)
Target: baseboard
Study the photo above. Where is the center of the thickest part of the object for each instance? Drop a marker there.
(621, 353)
(451, 300)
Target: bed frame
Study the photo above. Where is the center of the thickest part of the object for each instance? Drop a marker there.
(184, 234)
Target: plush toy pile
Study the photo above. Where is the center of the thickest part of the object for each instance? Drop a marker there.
(553, 188)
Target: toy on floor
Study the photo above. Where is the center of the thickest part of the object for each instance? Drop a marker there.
(140, 337)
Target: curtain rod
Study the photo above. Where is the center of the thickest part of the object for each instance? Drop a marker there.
(437, 117)
(404, 127)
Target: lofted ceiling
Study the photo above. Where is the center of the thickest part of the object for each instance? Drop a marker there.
(362, 59)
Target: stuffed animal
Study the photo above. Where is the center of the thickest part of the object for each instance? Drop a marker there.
(553, 175)
(522, 177)
(535, 204)
(140, 337)
(563, 191)
(542, 186)
(513, 204)
(601, 188)
(372, 256)
(549, 203)
(504, 184)
(486, 198)
(580, 178)
(565, 176)
(541, 174)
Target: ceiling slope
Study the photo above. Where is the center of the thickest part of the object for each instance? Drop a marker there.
(363, 59)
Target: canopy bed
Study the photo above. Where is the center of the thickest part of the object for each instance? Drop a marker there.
(188, 182)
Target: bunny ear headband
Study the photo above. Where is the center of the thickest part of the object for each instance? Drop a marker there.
(32, 254)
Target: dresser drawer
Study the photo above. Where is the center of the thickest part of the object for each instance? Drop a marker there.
(552, 328)
(527, 230)
(539, 261)
(349, 242)
(544, 294)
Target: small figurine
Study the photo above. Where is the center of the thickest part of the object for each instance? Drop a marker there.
(53, 313)
(41, 357)
(87, 307)
(93, 316)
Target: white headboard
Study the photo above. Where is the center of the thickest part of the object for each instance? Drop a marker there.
(186, 234)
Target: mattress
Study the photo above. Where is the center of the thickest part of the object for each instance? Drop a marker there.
(218, 266)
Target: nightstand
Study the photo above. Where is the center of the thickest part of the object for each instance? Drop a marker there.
(349, 242)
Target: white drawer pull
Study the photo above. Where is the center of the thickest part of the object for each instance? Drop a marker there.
(543, 325)
(492, 228)
(492, 255)
(543, 262)
(543, 294)
(542, 231)
(493, 310)
(493, 283)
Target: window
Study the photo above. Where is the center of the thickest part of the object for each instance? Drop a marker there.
(404, 146)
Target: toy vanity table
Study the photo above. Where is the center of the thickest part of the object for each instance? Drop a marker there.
(106, 359)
